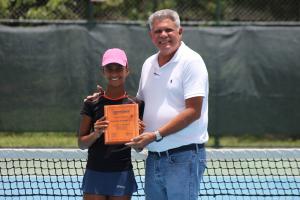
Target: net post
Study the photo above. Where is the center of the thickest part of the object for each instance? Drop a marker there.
(90, 9)
(218, 12)
(217, 140)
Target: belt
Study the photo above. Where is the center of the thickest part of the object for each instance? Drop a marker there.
(178, 149)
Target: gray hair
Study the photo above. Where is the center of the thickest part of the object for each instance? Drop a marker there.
(164, 14)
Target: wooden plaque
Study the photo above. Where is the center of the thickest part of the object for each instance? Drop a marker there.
(123, 123)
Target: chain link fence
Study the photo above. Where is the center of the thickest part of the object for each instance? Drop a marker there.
(191, 11)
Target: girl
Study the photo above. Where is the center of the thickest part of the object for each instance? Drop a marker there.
(109, 174)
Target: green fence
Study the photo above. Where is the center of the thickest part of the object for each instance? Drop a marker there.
(46, 71)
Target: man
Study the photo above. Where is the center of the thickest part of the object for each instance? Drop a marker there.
(174, 87)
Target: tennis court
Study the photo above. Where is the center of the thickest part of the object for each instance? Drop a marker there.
(231, 174)
(60, 190)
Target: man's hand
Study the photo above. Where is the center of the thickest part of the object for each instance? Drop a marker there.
(142, 140)
(96, 95)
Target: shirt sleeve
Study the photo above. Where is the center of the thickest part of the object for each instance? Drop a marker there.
(139, 93)
(195, 80)
(86, 109)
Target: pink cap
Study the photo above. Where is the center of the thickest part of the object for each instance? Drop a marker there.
(114, 56)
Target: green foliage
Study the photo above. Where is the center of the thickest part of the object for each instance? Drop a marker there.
(108, 9)
(37, 13)
(189, 10)
(137, 10)
(167, 4)
(4, 4)
(113, 3)
(37, 9)
(52, 9)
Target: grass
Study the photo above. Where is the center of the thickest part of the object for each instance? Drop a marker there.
(69, 140)
(250, 141)
(38, 140)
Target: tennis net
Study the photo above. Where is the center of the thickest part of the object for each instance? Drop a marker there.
(54, 173)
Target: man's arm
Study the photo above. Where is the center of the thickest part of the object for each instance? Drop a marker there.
(191, 113)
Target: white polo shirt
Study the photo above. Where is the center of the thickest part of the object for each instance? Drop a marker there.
(164, 90)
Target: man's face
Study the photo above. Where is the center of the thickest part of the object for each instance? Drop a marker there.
(165, 35)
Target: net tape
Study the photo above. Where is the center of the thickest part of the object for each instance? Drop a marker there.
(230, 172)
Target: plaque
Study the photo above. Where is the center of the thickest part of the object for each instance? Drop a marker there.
(123, 123)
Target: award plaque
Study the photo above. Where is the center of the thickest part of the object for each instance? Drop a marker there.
(123, 123)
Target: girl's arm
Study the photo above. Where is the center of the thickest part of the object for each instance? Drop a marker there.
(85, 137)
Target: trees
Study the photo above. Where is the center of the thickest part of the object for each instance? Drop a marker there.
(120, 10)
(41, 9)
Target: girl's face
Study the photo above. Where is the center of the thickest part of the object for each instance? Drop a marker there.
(115, 74)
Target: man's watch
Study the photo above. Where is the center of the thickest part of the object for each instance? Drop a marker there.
(158, 136)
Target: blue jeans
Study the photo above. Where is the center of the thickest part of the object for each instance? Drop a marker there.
(175, 176)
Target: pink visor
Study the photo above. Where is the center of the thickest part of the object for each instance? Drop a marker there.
(114, 55)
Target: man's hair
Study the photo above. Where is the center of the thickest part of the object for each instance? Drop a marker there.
(164, 14)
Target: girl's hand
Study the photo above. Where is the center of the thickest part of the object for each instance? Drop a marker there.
(100, 126)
